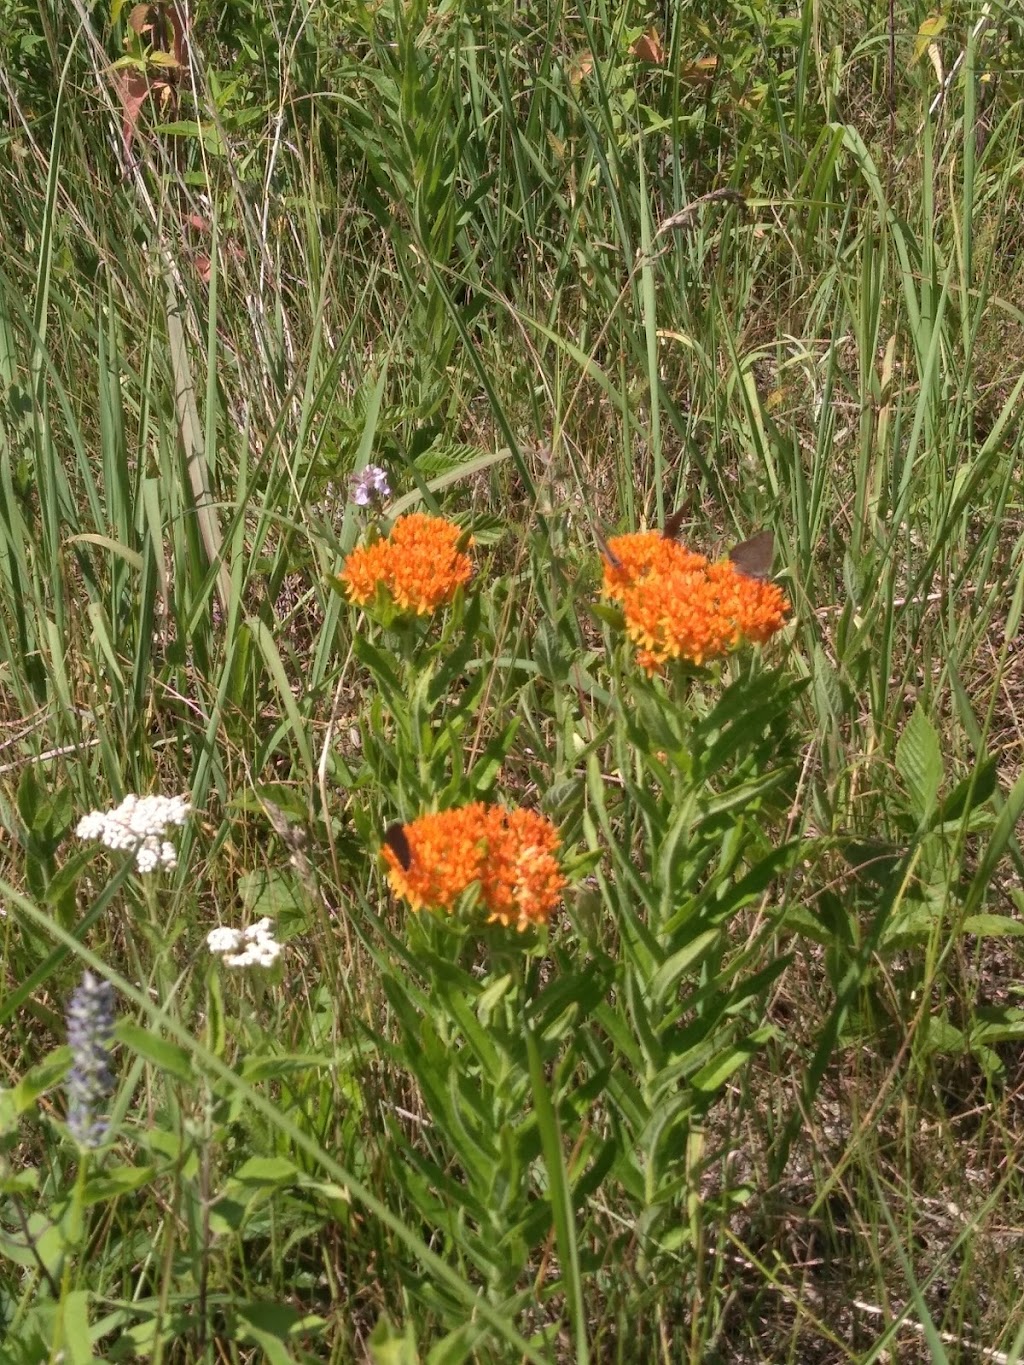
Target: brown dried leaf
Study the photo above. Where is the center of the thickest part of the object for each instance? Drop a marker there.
(582, 66)
(648, 48)
(699, 72)
(139, 19)
(179, 45)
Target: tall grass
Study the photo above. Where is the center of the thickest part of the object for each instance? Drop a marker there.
(753, 1094)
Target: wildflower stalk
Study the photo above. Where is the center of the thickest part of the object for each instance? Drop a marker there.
(91, 1081)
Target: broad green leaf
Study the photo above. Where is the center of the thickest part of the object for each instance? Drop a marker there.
(116, 1180)
(687, 957)
(712, 1077)
(942, 1037)
(919, 762)
(973, 791)
(457, 1348)
(21, 1182)
(163, 1055)
(993, 926)
(928, 30)
(388, 1346)
(74, 1327)
(267, 1170)
(270, 892)
(48, 1073)
(993, 1024)
(270, 1325)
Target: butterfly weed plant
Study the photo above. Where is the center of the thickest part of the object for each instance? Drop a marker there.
(570, 1024)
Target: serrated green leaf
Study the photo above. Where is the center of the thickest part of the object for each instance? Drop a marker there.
(919, 762)
(477, 465)
(993, 926)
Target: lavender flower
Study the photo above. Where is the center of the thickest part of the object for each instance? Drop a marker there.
(370, 486)
(90, 1081)
(138, 824)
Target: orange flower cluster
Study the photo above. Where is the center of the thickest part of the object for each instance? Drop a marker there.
(419, 564)
(508, 854)
(678, 606)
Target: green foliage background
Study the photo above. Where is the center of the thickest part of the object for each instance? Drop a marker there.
(754, 1095)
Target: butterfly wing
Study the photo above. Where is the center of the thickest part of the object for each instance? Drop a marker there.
(754, 557)
(612, 558)
(674, 523)
(395, 838)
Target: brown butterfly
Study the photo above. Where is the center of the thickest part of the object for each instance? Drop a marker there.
(395, 838)
(612, 558)
(754, 557)
(673, 524)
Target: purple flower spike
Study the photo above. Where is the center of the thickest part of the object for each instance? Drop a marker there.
(90, 1081)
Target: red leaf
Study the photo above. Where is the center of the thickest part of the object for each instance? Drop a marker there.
(133, 87)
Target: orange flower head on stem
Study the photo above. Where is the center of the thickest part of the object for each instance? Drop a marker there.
(678, 606)
(509, 856)
(419, 564)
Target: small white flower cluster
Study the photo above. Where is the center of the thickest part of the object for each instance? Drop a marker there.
(138, 825)
(252, 947)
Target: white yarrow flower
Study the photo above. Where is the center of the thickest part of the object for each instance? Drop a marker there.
(138, 826)
(223, 940)
(251, 947)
